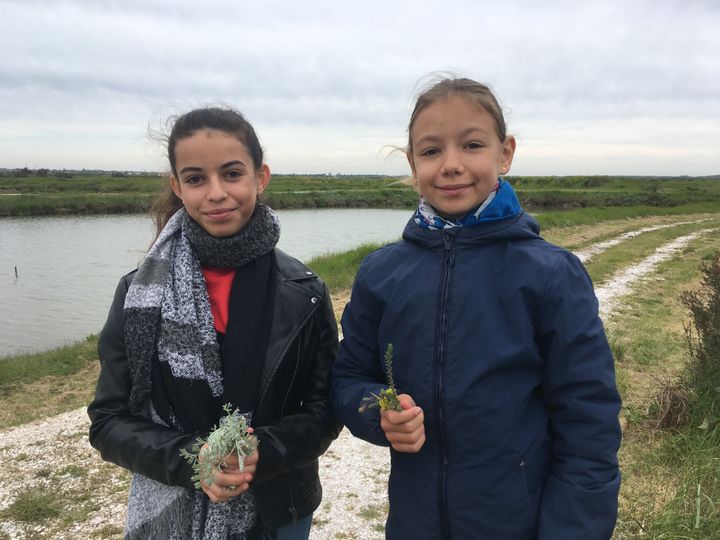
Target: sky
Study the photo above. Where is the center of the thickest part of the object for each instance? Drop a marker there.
(609, 87)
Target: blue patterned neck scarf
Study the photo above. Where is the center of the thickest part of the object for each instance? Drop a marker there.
(501, 203)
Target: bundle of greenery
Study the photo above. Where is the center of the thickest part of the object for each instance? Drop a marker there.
(231, 436)
(388, 398)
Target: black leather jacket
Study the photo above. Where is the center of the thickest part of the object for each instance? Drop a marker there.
(293, 420)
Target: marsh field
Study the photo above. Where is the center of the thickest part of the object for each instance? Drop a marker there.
(92, 194)
(646, 242)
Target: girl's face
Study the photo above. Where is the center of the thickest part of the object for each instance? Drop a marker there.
(457, 155)
(217, 181)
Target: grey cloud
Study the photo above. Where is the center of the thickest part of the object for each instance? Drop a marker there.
(352, 67)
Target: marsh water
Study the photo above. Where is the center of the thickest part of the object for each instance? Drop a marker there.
(68, 267)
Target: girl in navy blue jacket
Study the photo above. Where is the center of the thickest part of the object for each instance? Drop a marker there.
(509, 428)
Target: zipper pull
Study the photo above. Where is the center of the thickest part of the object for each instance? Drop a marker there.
(447, 240)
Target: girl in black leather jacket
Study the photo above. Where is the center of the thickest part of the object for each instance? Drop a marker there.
(216, 314)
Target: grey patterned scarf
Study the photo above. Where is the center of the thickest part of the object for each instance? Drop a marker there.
(169, 330)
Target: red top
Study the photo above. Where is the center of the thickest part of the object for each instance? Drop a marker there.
(218, 282)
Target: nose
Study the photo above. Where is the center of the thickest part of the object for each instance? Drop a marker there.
(216, 189)
(452, 164)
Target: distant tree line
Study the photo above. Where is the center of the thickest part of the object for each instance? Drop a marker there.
(26, 172)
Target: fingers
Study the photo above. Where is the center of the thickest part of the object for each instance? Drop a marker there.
(406, 402)
(250, 463)
(231, 462)
(405, 430)
(227, 484)
(220, 494)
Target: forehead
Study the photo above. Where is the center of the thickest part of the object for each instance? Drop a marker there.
(207, 144)
(454, 113)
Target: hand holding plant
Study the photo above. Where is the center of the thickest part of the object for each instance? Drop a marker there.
(401, 420)
(230, 439)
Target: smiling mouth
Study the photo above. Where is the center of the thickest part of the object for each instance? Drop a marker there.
(219, 214)
(453, 188)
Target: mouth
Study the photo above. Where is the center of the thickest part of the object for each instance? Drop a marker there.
(219, 214)
(454, 188)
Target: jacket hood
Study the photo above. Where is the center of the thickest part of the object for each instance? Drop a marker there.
(508, 222)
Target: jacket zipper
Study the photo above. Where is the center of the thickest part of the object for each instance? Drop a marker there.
(294, 375)
(292, 510)
(447, 273)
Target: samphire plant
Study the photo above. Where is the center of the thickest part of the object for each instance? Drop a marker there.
(231, 436)
(388, 398)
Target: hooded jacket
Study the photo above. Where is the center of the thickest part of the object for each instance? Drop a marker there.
(292, 420)
(496, 336)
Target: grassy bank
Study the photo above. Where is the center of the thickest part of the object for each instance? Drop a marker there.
(38, 385)
(90, 194)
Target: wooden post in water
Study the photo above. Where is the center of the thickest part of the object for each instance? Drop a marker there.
(16, 272)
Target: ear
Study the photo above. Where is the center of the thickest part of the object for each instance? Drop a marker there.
(263, 178)
(507, 154)
(175, 185)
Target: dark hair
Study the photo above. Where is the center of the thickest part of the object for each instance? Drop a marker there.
(228, 121)
(474, 91)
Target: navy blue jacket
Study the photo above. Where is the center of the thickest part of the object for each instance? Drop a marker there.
(496, 336)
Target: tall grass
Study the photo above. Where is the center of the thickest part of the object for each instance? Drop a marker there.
(26, 368)
(339, 269)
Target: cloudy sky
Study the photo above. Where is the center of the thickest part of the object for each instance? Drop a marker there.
(592, 87)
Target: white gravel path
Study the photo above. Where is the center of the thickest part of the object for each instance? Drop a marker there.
(354, 473)
(610, 293)
(586, 254)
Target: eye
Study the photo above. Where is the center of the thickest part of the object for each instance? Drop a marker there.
(233, 173)
(429, 152)
(193, 180)
(474, 145)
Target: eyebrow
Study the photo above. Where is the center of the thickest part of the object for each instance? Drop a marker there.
(463, 133)
(223, 166)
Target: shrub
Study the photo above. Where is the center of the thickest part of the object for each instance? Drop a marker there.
(702, 334)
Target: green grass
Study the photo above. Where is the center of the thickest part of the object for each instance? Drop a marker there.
(373, 512)
(44, 384)
(22, 369)
(108, 194)
(33, 506)
(72, 470)
(695, 508)
(590, 216)
(109, 531)
(339, 269)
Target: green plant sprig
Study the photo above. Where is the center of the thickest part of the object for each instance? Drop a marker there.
(231, 436)
(388, 398)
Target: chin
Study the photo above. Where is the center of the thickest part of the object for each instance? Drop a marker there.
(454, 213)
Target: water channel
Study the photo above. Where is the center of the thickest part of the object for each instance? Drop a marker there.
(68, 267)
